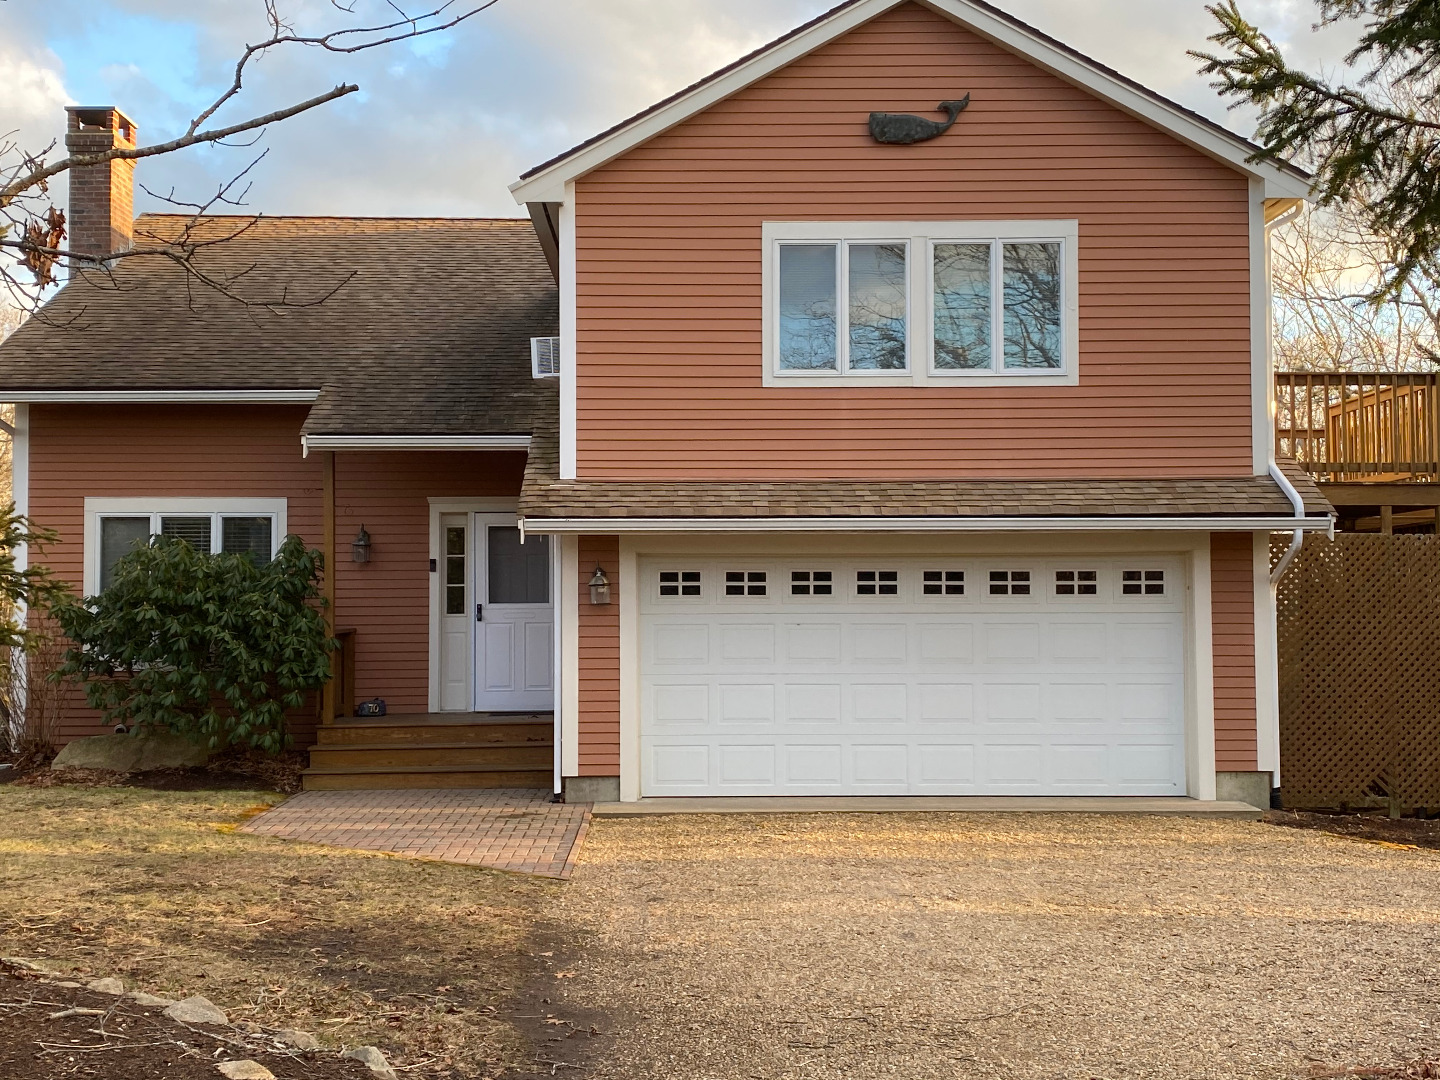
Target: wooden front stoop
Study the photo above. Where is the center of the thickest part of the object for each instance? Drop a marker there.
(434, 750)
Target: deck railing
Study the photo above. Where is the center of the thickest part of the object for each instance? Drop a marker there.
(1376, 427)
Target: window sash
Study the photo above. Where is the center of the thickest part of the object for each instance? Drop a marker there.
(844, 328)
(182, 524)
(997, 348)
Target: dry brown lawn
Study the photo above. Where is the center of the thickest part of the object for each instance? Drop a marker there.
(422, 959)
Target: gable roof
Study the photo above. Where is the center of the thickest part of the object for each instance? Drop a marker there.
(427, 333)
(546, 182)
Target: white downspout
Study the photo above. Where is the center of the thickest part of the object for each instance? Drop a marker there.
(1298, 537)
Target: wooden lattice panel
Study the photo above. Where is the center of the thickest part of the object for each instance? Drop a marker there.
(1359, 637)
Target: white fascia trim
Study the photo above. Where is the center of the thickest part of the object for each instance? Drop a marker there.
(413, 442)
(549, 184)
(611, 526)
(162, 397)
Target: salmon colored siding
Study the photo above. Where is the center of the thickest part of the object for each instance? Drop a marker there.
(1232, 592)
(387, 599)
(669, 258)
(599, 674)
(236, 451)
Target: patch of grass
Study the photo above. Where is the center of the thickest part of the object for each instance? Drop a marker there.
(158, 888)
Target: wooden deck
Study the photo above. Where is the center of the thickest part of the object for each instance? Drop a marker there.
(434, 750)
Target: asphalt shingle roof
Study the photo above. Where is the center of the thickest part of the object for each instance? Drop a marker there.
(545, 496)
(428, 333)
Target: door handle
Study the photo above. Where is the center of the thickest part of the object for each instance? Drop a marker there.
(479, 612)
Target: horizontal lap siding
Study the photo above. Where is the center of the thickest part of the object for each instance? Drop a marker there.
(253, 451)
(1232, 590)
(599, 668)
(669, 284)
(387, 599)
(162, 451)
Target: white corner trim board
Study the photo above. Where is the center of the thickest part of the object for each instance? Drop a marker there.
(413, 442)
(548, 183)
(923, 525)
(161, 397)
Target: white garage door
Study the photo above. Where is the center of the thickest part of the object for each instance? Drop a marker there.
(966, 676)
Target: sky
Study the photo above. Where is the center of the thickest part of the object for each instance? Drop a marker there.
(443, 125)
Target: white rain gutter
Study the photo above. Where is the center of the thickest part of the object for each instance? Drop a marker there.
(413, 442)
(922, 524)
(1298, 537)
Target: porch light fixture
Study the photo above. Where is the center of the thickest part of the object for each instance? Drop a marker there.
(360, 546)
(599, 587)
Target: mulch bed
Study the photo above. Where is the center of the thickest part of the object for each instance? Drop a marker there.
(230, 770)
(1376, 828)
(126, 1040)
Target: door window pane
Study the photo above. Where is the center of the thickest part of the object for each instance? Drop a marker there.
(877, 307)
(195, 531)
(519, 573)
(118, 537)
(807, 307)
(247, 536)
(455, 570)
(962, 306)
(1032, 305)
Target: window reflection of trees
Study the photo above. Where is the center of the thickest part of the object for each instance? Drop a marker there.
(962, 306)
(877, 307)
(1032, 305)
(807, 307)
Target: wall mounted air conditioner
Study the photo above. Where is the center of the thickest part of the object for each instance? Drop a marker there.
(545, 357)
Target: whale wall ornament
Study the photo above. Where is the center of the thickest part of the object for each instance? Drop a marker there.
(903, 128)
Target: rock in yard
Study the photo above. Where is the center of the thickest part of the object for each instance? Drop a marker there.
(196, 1010)
(374, 1060)
(106, 986)
(245, 1070)
(300, 1040)
(132, 753)
(28, 965)
(150, 1001)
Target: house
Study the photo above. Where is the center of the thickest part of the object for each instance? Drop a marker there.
(872, 468)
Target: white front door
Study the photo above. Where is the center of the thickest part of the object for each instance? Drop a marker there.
(514, 617)
(967, 675)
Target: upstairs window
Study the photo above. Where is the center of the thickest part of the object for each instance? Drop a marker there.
(916, 303)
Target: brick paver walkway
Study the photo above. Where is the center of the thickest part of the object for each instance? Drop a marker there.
(517, 830)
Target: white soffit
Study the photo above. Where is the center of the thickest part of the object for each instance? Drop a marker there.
(413, 442)
(601, 526)
(160, 397)
(1281, 181)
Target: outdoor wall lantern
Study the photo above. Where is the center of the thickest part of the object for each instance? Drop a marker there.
(599, 587)
(360, 546)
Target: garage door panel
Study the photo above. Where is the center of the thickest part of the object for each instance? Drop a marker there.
(974, 693)
(751, 705)
(878, 703)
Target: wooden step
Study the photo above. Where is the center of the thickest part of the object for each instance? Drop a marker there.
(486, 733)
(387, 755)
(426, 776)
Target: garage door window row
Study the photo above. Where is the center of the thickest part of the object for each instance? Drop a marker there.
(878, 583)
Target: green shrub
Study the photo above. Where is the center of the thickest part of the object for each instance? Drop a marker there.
(216, 647)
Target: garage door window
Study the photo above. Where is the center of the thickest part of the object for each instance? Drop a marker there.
(1142, 582)
(1009, 582)
(744, 583)
(944, 583)
(811, 583)
(1077, 582)
(877, 583)
(680, 583)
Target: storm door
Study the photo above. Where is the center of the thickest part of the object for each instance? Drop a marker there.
(514, 618)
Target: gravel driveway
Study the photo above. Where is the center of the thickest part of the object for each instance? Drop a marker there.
(921, 946)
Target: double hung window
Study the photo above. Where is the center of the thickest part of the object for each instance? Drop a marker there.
(114, 527)
(897, 303)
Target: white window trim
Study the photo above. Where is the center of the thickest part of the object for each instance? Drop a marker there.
(921, 236)
(96, 508)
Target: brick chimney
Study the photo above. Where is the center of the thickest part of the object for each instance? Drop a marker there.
(102, 197)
